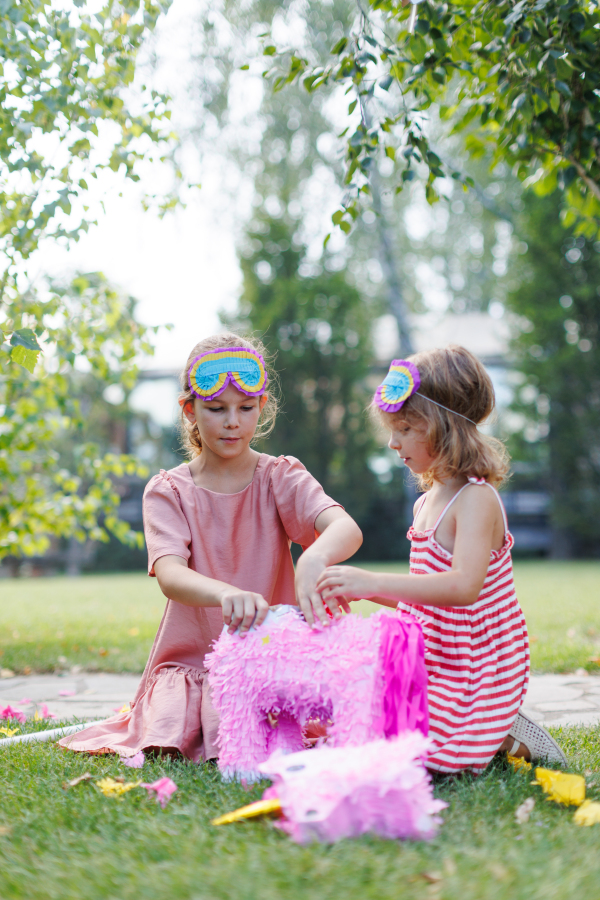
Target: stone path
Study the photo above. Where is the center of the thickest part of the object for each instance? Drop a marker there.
(551, 699)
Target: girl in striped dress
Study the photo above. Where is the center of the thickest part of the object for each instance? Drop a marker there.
(460, 584)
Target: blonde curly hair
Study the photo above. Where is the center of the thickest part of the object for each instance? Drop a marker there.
(455, 378)
(188, 431)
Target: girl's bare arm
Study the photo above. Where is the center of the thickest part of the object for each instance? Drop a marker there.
(339, 538)
(180, 583)
(476, 515)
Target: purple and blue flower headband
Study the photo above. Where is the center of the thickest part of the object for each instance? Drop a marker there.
(211, 372)
(400, 383)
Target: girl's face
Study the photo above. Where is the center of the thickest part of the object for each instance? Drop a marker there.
(409, 441)
(227, 424)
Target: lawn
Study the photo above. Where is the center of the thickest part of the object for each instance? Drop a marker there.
(108, 622)
(59, 844)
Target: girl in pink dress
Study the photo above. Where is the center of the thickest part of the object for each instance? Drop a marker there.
(460, 584)
(218, 531)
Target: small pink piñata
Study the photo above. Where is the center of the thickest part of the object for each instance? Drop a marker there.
(331, 793)
(367, 676)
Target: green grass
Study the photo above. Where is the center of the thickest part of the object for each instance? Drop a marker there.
(58, 844)
(108, 622)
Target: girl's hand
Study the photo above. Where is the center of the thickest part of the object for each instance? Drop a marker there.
(345, 582)
(241, 607)
(308, 570)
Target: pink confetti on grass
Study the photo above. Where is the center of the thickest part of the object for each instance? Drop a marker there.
(44, 713)
(10, 712)
(164, 787)
(134, 762)
(67, 693)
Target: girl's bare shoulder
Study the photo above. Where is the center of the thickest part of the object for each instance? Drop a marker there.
(479, 501)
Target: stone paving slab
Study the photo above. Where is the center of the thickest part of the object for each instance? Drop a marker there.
(551, 699)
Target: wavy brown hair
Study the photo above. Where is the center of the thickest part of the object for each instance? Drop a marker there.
(188, 431)
(455, 378)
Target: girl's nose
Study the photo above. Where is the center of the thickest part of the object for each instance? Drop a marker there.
(394, 443)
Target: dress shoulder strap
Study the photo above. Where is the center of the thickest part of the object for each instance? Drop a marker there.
(473, 480)
(447, 507)
(419, 507)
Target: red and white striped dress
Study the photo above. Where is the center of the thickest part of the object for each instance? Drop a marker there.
(477, 656)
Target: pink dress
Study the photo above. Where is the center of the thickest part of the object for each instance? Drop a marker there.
(242, 539)
(477, 656)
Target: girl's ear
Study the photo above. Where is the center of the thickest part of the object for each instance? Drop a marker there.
(188, 409)
(263, 400)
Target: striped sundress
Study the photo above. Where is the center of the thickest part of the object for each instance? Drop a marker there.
(477, 656)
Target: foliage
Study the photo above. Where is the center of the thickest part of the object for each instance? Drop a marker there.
(558, 302)
(55, 839)
(65, 117)
(525, 74)
(38, 496)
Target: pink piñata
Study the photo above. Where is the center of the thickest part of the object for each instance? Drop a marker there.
(336, 792)
(366, 675)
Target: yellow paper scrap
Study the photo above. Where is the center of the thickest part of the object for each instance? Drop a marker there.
(112, 788)
(588, 813)
(260, 808)
(561, 787)
(518, 762)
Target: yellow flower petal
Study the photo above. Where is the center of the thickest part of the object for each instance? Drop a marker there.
(112, 788)
(8, 731)
(561, 786)
(587, 814)
(517, 762)
(260, 808)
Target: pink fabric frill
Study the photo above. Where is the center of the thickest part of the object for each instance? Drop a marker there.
(174, 711)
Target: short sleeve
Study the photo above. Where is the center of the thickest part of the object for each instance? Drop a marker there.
(299, 498)
(165, 525)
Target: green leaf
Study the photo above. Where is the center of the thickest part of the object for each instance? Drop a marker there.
(270, 50)
(564, 88)
(24, 357)
(26, 338)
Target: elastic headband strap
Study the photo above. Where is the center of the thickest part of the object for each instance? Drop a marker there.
(447, 408)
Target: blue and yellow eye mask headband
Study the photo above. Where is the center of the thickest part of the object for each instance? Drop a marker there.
(211, 372)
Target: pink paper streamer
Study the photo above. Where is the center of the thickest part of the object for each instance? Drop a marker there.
(163, 788)
(332, 793)
(366, 675)
(10, 712)
(134, 762)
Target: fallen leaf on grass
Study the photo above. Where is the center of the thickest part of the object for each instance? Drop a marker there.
(10, 713)
(74, 781)
(8, 731)
(523, 811)
(134, 762)
(561, 787)
(112, 787)
(164, 787)
(26, 670)
(5, 829)
(588, 813)
(7, 673)
(431, 877)
(518, 762)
